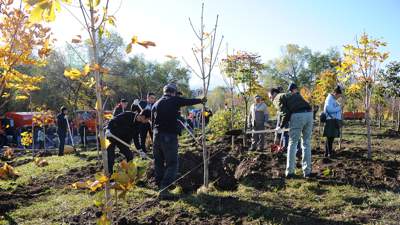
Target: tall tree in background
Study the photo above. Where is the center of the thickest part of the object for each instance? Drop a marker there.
(22, 44)
(362, 62)
(391, 79)
(206, 55)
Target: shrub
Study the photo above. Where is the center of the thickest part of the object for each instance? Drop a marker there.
(220, 122)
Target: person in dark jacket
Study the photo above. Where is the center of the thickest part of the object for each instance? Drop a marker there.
(83, 129)
(165, 113)
(333, 112)
(146, 128)
(124, 126)
(120, 108)
(294, 109)
(62, 127)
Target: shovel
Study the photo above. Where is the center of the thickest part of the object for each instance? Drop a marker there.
(277, 148)
(70, 135)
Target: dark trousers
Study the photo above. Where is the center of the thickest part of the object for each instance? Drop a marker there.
(165, 151)
(84, 140)
(329, 146)
(111, 152)
(61, 137)
(144, 130)
(41, 144)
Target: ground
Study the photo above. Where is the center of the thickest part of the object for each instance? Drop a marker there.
(248, 188)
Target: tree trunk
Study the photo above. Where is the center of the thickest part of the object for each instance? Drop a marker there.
(398, 116)
(232, 117)
(205, 151)
(245, 122)
(368, 121)
(100, 114)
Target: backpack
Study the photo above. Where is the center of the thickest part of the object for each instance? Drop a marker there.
(322, 117)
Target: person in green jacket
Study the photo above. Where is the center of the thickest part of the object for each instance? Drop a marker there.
(298, 113)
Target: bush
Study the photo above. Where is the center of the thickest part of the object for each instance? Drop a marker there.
(220, 122)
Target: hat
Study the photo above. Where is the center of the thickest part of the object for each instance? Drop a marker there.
(292, 86)
(257, 96)
(170, 88)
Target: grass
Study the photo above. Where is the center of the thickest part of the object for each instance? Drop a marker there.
(57, 166)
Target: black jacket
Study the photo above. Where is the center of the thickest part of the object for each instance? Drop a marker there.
(143, 104)
(291, 103)
(118, 110)
(61, 124)
(124, 125)
(165, 113)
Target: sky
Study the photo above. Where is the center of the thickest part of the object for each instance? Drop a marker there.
(259, 26)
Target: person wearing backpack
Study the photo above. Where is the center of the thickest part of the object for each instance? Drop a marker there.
(333, 117)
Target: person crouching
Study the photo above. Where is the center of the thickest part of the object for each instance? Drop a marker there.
(124, 126)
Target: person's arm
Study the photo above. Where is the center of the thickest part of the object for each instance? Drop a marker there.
(266, 114)
(285, 112)
(330, 105)
(187, 101)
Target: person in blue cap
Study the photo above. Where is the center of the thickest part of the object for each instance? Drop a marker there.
(298, 113)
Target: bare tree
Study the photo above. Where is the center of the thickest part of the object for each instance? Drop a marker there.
(205, 55)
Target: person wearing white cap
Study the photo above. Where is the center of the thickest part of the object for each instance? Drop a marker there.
(258, 120)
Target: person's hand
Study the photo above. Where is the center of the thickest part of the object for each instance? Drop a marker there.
(66, 117)
(204, 100)
(278, 130)
(136, 102)
(142, 154)
(108, 133)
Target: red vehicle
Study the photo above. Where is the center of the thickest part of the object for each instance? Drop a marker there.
(24, 119)
(354, 115)
(89, 117)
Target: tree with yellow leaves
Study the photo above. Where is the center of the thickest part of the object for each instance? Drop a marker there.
(23, 43)
(95, 17)
(362, 62)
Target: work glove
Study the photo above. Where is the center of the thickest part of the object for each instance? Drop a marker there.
(142, 154)
(204, 100)
(136, 102)
(278, 130)
(108, 133)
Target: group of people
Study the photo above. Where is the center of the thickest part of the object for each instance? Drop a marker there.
(161, 118)
(296, 114)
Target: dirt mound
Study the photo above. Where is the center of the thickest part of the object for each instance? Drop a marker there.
(351, 168)
(261, 169)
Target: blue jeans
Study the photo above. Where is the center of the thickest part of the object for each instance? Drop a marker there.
(301, 127)
(165, 151)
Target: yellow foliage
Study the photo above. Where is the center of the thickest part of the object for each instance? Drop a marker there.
(26, 138)
(40, 162)
(7, 172)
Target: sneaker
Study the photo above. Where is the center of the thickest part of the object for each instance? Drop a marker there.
(309, 176)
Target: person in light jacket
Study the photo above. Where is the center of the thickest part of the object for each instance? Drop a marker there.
(258, 119)
(333, 120)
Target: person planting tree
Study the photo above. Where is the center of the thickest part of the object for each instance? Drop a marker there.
(124, 126)
(333, 112)
(165, 113)
(298, 113)
(258, 120)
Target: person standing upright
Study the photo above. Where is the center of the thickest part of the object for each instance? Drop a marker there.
(298, 113)
(83, 129)
(165, 113)
(62, 127)
(333, 113)
(258, 120)
(120, 108)
(145, 128)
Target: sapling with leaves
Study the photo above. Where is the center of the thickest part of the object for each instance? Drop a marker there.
(205, 53)
(244, 68)
(362, 61)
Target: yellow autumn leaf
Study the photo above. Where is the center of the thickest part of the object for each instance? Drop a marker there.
(134, 40)
(79, 185)
(86, 69)
(73, 74)
(21, 97)
(128, 48)
(103, 220)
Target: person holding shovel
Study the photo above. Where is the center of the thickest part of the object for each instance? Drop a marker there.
(258, 120)
(62, 126)
(165, 114)
(124, 126)
(333, 120)
(298, 113)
